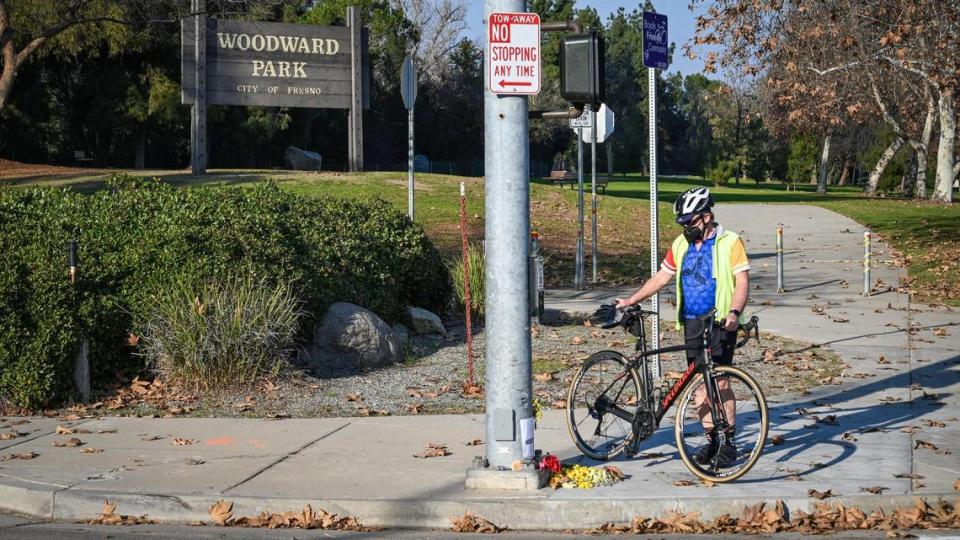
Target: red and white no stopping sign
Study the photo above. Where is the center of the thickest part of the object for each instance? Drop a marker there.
(513, 49)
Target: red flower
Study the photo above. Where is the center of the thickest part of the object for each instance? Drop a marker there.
(550, 462)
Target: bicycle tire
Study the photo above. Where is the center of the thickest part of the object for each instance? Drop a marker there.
(762, 425)
(610, 446)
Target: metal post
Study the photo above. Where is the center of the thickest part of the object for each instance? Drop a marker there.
(81, 362)
(593, 188)
(410, 164)
(198, 112)
(355, 115)
(578, 273)
(654, 225)
(866, 263)
(509, 407)
(780, 258)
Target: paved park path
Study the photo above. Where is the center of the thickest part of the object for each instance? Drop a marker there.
(365, 467)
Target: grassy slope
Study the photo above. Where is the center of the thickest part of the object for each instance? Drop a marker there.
(923, 232)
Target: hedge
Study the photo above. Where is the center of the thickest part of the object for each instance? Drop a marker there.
(135, 234)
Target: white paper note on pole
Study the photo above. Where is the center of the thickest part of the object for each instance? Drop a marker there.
(526, 435)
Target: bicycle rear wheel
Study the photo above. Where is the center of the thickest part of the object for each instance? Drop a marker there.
(750, 420)
(604, 382)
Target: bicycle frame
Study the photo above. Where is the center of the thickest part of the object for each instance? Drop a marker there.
(702, 364)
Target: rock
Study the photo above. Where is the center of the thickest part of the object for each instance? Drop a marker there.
(402, 333)
(425, 322)
(302, 160)
(359, 336)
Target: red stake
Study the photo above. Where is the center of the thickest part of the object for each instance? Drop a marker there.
(466, 281)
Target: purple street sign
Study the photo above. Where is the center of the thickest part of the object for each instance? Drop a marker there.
(655, 40)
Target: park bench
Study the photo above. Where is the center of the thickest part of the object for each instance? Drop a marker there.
(562, 178)
(82, 157)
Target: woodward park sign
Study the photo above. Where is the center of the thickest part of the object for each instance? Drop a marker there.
(228, 62)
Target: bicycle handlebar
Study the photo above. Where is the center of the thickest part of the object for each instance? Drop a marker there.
(751, 327)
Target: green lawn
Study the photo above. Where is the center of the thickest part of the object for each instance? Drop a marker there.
(923, 232)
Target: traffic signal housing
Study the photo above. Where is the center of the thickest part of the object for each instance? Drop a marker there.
(582, 77)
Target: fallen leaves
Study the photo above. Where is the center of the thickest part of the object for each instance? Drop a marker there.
(221, 512)
(433, 450)
(193, 461)
(91, 450)
(475, 442)
(182, 442)
(108, 516)
(23, 455)
(777, 440)
(69, 443)
(876, 490)
(472, 523)
(930, 446)
(13, 434)
(820, 494)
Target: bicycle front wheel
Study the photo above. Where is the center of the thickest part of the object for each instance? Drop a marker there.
(741, 407)
(601, 403)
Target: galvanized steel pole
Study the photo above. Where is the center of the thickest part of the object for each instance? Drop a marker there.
(509, 410)
(593, 187)
(578, 272)
(779, 258)
(654, 225)
(866, 263)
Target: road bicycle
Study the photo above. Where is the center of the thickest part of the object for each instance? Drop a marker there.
(613, 404)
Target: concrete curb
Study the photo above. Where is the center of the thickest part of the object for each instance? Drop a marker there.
(517, 512)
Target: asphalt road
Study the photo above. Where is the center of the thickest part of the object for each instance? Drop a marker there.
(21, 528)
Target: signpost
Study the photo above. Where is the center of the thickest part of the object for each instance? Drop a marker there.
(513, 57)
(408, 89)
(584, 121)
(513, 48)
(605, 124)
(654, 57)
(230, 62)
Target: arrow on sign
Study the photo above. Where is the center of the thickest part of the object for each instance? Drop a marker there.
(514, 83)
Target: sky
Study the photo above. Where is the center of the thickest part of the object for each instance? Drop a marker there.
(680, 24)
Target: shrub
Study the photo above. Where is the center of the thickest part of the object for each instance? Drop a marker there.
(721, 172)
(477, 264)
(220, 331)
(138, 235)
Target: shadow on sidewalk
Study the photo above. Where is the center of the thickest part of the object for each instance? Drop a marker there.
(882, 417)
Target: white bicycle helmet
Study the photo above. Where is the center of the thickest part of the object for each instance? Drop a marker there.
(691, 202)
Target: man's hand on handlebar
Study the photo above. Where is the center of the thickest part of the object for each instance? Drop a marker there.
(732, 323)
(622, 303)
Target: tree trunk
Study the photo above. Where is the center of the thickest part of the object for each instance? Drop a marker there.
(908, 177)
(920, 175)
(845, 170)
(881, 165)
(813, 175)
(824, 170)
(946, 170)
(140, 155)
(9, 72)
(921, 150)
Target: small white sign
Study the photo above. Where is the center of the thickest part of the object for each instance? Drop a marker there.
(585, 120)
(605, 125)
(513, 53)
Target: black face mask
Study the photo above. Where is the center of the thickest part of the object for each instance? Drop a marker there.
(692, 234)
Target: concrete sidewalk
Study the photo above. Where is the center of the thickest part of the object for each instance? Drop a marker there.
(365, 467)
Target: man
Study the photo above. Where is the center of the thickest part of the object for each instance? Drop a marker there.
(713, 273)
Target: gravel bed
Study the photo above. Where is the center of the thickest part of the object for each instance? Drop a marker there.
(431, 379)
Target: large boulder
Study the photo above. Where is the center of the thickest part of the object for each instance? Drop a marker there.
(425, 322)
(302, 160)
(357, 336)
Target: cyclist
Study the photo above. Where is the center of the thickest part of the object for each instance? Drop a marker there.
(713, 274)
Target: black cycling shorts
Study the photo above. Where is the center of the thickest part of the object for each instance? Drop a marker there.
(722, 342)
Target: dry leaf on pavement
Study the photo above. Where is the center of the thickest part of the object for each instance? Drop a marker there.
(820, 494)
(24, 455)
(221, 511)
(71, 442)
(543, 377)
(182, 442)
(433, 450)
(777, 440)
(876, 490)
(192, 461)
(91, 450)
(475, 442)
(11, 435)
(63, 431)
(577, 340)
(471, 523)
(683, 483)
